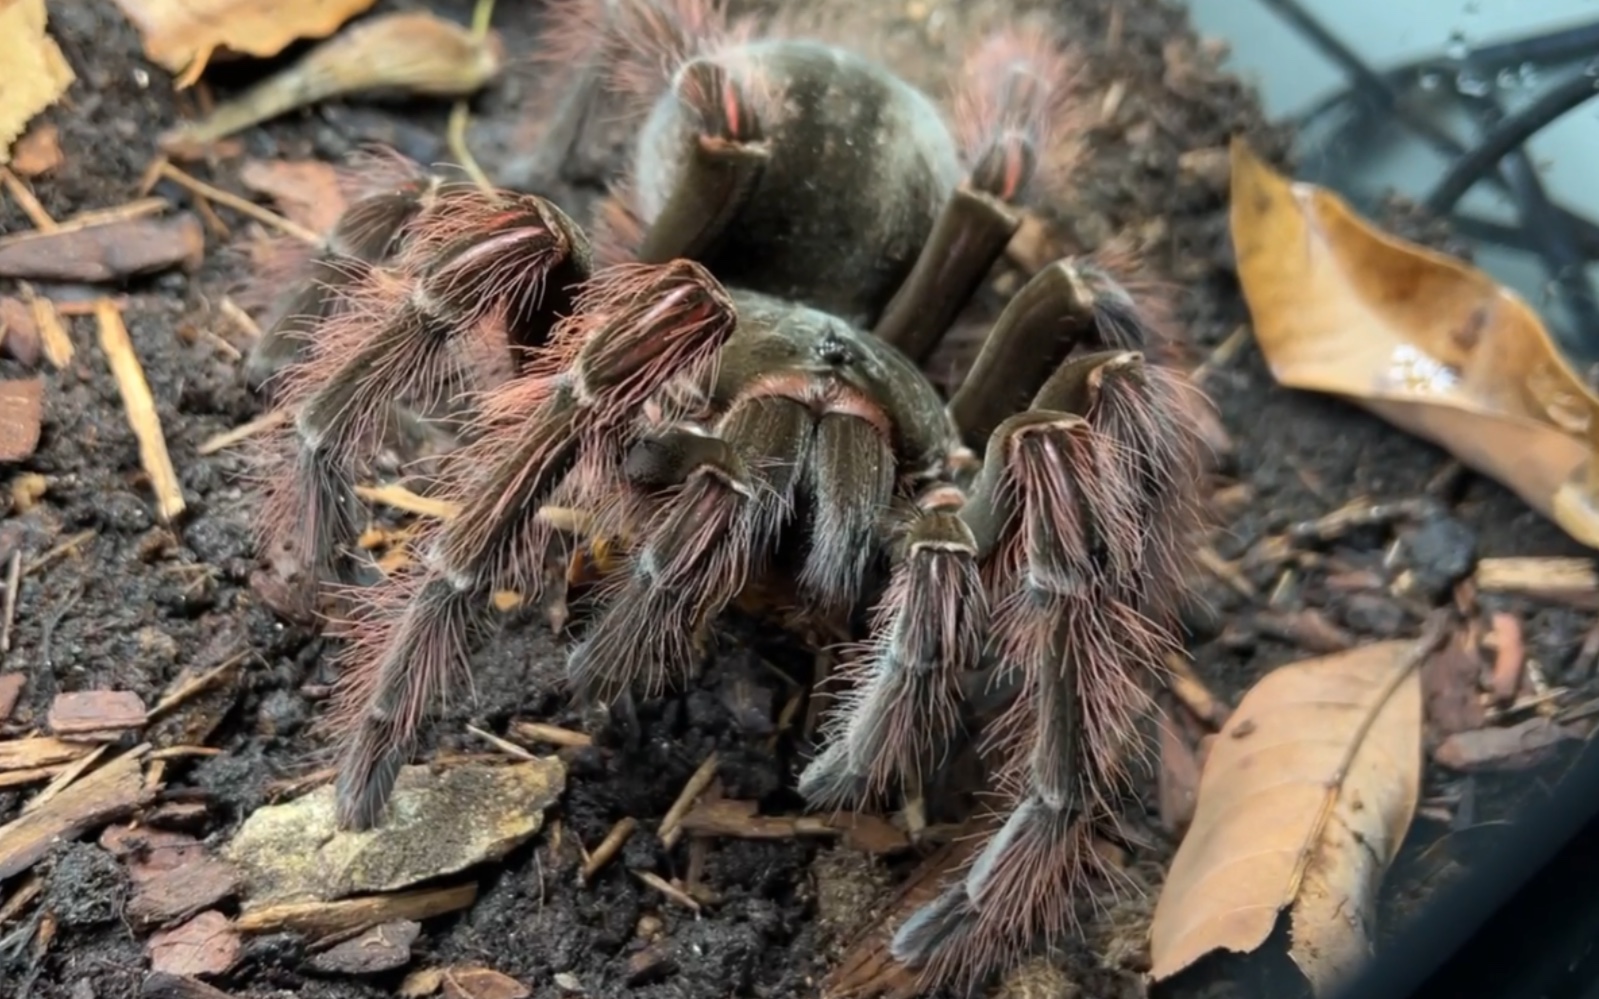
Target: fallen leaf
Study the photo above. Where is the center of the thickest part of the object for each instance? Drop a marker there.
(1498, 750)
(38, 152)
(36, 73)
(306, 191)
(105, 253)
(21, 417)
(205, 945)
(179, 33)
(1305, 797)
(295, 852)
(1428, 343)
(382, 948)
(482, 983)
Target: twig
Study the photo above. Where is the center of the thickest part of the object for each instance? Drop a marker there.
(244, 431)
(609, 847)
(27, 202)
(404, 499)
(553, 734)
(668, 889)
(503, 745)
(241, 205)
(455, 135)
(140, 407)
(672, 824)
(1227, 572)
(58, 349)
(196, 685)
(13, 583)
(229, 308)
(66, 547)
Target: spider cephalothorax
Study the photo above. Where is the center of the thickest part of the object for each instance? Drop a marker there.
(729, 381)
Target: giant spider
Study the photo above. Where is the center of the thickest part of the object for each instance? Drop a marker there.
(727, 384)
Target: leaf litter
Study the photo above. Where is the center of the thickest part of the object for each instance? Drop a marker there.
(1305, 798)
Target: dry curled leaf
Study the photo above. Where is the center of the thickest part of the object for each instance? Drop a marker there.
(1305, 797)
(178, 33)
(1428, 343)
(36, 74)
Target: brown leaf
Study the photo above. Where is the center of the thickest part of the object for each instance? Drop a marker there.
(21, 417)
(1517, 747)
(176, 33)
(1305, 797)
(306, 191)
(205, 945)
(482, 983)
(38, 152)
(36, 73)
(1428, 343)
(91, 711)
(105, 253)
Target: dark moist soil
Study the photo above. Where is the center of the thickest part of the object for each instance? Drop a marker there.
(140, 601)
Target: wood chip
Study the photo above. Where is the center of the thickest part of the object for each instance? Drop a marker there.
(1449, 690)
(668, 889)
(94, 712)
(609, 847)
(1194, 694)
(11, 685)
(1568, 580)
(1500, 750)
(182, 892)
(382, 948)
(320, 919)
(149, 853)
(1309, 629)
(141, 412)
(481, 983)
(19, 335)
(205, 945)
(21, 417)
(1177, 783)
(106, 253)
(108, 793)
(54, 339)
(401, 498)
(38, 152)
(39, 751)
(553, 734)
(1509, 657)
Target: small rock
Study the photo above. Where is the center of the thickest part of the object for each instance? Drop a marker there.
(1442, 552)
(83, 989)
(651, 964)
(382, 948)
(1374, 614)
(436, 823)
(568, 982)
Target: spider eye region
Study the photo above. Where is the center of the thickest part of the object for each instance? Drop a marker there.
(835, 351)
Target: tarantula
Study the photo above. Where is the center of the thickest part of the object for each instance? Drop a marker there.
(727, 383)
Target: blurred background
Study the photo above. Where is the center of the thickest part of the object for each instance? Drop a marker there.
(1481, 111)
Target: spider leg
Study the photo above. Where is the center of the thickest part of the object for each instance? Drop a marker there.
(565, 423)
(1079, 515)
(364, 235)
(1013, 88)
(903, 708)
(472, 264)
